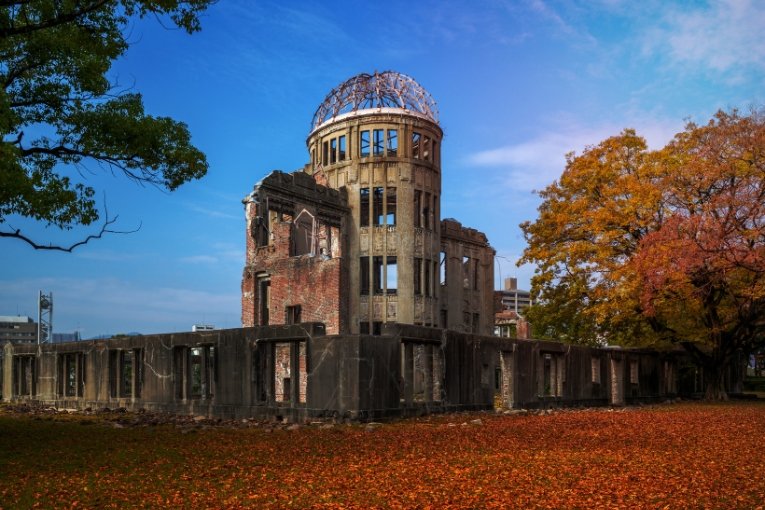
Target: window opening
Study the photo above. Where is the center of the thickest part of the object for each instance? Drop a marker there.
(364, 207)
(377, 275)
(475, 274)
(377, 328)
(293, 314)
(379, 147)
(466, 272)
(377, 205)
(390, 207)
(303, 234)
(427, 279)
(196, 372)
(426, 148)
(417, 208)
(364, 144)
(126, 373)
(417, 276)
(341, 148)
(442, 268)
(416, 145)
(325, 158)
(364, 275)
(282, 371)
(634, 379)
(392, 142)
(426, 211)
(391, 275)
(70, 375)
(302, 372)
(264, 297)
(333, 151)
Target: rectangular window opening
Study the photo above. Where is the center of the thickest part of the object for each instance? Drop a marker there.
(196, 372)
(416, 145)
(377, 205)
(417, 276)
(364, 144)
(283, 371)
(417, 208)
(391, 275)
(341, 148)
(325, 153)
(333, 151)
(364, 207)
(392, 142)
(379, 142)
(390, 207)
(427, 279)
(595, 365)
(426, 154)
(377, 275)
(442, 268)
(426, 211)
(364, 275)
(634, 374)
(293, 314)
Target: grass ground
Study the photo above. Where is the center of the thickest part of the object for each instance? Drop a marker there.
(674, 456)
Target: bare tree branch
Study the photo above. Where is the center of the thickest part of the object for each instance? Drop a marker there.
(53, 247)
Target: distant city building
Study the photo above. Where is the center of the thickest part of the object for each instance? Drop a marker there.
(202, 327)
(510, 304)
(17, 329)
(513, 298)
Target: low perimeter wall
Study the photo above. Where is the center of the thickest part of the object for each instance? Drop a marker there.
(298, 372)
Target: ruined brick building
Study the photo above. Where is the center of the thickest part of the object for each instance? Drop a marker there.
(358, 301)
(355, 239)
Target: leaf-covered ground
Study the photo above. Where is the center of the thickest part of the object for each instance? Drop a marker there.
(678, 456)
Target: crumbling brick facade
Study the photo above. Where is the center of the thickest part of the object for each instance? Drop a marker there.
(295, 270)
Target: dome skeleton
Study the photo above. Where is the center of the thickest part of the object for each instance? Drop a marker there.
(387, 89)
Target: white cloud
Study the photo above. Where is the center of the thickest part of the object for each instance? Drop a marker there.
(728, 36)
(534, 163)
(114, 305)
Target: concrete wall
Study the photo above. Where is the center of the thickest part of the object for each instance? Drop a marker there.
(298, 372)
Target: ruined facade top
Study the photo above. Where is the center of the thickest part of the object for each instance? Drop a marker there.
(378, 91)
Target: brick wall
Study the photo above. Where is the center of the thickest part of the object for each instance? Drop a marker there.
(313, 282)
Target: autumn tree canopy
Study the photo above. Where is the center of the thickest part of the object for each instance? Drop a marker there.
(61, 116)
(640, 247)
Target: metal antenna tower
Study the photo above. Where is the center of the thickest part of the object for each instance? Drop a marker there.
(45, 318)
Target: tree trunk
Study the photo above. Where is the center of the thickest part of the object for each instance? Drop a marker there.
(715, 382)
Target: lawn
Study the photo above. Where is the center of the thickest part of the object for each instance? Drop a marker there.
(670, 456)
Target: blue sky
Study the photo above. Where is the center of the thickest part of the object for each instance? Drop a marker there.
(518, 84)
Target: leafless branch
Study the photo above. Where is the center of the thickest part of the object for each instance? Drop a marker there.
(53, 247)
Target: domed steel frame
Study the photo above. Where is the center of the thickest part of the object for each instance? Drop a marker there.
(387, 89)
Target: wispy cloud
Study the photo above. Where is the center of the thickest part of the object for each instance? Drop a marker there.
(725, 37)
(534, 163)
(215, 213)
(113, 305)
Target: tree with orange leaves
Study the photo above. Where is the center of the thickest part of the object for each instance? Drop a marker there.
(649, 247)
